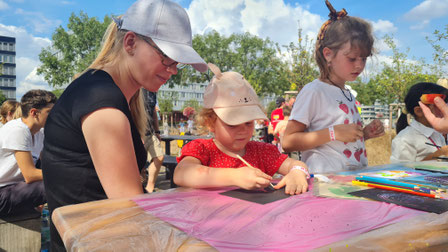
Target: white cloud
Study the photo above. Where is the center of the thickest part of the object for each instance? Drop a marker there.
(420, 26)
(264, 18)
(3, 5)
(38, 21)
(427, 10)
(28, 48)
(383, 27)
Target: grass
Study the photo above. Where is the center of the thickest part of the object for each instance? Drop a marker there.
(379, 149)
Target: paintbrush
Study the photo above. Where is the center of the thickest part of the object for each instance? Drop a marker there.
(435, 145)
(270, 187)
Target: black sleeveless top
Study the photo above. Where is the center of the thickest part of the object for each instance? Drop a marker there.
(68, 171)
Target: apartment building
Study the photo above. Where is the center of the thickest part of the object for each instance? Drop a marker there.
(8, 67)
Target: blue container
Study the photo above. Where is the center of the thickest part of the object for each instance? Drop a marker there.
(45, 230)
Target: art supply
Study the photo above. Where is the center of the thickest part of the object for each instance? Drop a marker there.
(396, 189)
(430, 170)
(435, 145)
(270, 187)
(389, 182)
(441, 180)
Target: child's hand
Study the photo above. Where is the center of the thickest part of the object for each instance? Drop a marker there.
(374, 129)
(250, 178)
(348, 132)
(295, 182)
(443, 151)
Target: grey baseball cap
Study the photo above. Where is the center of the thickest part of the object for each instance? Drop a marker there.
(168, 25)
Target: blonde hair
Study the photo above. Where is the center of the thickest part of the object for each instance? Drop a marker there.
(8, 107)
(206, 118)
(110, 54)
(346, 29)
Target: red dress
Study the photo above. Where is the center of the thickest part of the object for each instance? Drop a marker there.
(263, 156)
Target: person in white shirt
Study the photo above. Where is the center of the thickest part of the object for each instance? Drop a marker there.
(21, 140)
(418, 141)
(325, 124)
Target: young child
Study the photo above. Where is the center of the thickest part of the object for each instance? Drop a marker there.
(325, 124)
(418, 141)
(230, 108)
(7, 111)
(21, 140)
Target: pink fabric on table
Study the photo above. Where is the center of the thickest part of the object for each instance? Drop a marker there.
(298, 223)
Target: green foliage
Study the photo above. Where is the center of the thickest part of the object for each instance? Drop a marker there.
(395, 79)
(192, 103)
(165, 105)
(2, 98)
(58, 92)
(253, 57)
(271, 106)
(440, 55)
(300, 67)
(73, 49)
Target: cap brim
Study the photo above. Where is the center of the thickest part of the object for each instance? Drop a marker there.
(182, 53)
(240, 114)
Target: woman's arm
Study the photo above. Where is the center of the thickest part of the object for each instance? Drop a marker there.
(296, 139)
(191, 173)
(26, 166)
(108, 136)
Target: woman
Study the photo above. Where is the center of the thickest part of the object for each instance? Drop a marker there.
(93, 148)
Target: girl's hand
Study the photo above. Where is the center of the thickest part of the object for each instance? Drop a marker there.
(295, 182)
(443, 151)
(250, 178)
(373, 129)
(348, 132)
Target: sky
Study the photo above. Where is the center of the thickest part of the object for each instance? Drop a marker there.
(33, 22)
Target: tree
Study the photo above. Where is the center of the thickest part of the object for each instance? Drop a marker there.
(300, 67)
(253, 57)
(2, 98)
(73, 49)
(165, 105)
(395, 79)
(440, 55)
(58, 92)
(192, 103)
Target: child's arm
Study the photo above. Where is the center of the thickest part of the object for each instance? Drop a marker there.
(443, 151)
(296, 139)
(294, 178)
(191, 173)
(373, 129)
(26, 165)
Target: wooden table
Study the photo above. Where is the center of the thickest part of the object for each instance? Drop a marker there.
(122, 225)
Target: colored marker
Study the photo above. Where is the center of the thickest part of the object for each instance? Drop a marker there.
(391, 188)
(389, 182)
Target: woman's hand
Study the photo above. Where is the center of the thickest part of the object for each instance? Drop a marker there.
(348, 132)
(250, 178)
(439, 124)
(295, 181)
(373, 129)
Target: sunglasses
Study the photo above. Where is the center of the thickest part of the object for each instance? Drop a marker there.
(166, 61)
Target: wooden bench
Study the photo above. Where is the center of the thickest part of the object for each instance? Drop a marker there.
(170, 164)
(20, 232)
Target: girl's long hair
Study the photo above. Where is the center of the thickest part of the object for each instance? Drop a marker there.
(111, 54)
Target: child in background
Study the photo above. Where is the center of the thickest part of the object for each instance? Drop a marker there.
(325, 124)
(7, 111)
(281, 126)
(418, 141)
(230, 108)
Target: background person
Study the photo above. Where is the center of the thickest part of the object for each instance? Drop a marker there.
(21, 186)
(413, 142)
(152, 140)
(7, 111)
(327, 127)
(93, 148)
